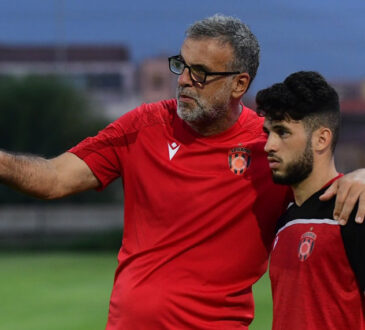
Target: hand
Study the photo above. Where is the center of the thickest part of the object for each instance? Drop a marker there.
(348, 190)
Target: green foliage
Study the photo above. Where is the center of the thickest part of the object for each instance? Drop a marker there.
(45, 116)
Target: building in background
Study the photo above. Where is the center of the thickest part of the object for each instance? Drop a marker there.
(105, 72)
(352, 96)
(155, 80)
(350, 153)
(118, 85)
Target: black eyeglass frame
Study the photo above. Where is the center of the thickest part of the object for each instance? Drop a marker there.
(178, 58)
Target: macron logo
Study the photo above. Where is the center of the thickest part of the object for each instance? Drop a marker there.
(173, 148)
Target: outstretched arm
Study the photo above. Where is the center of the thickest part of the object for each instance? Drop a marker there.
(46, 178)
(348, 190)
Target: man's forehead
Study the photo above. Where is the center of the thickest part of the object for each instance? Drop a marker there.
(206, 51)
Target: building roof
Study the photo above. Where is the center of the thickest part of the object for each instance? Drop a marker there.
(70, 53)
(355, 106)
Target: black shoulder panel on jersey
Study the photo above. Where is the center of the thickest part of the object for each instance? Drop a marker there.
(353, 235)
(312, 208)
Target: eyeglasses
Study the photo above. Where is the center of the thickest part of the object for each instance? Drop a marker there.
(197, 74)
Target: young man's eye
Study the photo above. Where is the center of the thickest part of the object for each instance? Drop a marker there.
(282, 132)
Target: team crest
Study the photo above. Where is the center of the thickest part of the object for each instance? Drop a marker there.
(239, 159)
(306, 245)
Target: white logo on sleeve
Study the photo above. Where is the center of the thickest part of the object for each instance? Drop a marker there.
(173, 148)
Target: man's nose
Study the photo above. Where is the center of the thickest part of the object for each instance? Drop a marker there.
(270, 144)
(185, 79)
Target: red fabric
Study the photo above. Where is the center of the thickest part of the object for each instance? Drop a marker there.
(320, 292)
(333, 180)
(196, 235)
(313, 283)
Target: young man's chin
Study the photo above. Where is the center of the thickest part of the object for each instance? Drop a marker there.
(280, 179)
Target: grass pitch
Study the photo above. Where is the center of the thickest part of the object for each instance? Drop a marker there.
(263, 303)
(58, 291)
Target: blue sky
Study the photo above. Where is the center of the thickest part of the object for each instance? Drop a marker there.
(327, 36)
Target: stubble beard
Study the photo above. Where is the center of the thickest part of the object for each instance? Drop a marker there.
(203, 111)
(297, 170)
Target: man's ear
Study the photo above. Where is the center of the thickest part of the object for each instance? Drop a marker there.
(322, 139)
(240, 84)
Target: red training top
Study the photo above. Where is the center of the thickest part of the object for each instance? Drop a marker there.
(317, 269)
(199, 219)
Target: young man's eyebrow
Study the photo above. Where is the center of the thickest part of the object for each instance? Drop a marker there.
(278, 125)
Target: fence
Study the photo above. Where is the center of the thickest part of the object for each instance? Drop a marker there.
(66, 226)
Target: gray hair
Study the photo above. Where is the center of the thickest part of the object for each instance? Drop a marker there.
(230, 30)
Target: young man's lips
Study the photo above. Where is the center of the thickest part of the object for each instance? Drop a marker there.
(273, 162)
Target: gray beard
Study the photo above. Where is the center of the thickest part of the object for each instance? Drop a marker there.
(200, 113)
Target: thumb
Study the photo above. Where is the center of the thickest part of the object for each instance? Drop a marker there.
(330, 192)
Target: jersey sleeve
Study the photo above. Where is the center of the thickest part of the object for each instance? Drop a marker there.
(353, 235)
(99, 154)
(106, 152)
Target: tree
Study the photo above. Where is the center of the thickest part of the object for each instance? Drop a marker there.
(45, 116)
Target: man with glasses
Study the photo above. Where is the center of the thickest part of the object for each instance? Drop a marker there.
(200, 205)
(197, 74)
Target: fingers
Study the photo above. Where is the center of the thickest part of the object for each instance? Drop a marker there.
(349, 190)
(360, 214)
(346, 200)
(346, 203)
(330, 192)
(343, 203)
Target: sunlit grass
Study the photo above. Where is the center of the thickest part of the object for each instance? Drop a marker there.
(55, 291)
(59, 291)
(263, 302)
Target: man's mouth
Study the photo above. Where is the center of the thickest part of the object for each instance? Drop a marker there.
(185, 98)
(185, 95)
(274, 162)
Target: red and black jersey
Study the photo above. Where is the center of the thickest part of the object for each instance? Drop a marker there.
(199, 220)
(317, 269)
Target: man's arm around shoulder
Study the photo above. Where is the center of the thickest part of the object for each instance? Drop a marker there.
(46, 178)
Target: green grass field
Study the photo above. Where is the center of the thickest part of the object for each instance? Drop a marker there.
(59, 291)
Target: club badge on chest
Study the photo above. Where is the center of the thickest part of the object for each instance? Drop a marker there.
(239, 159)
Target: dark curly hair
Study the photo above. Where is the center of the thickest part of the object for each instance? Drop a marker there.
(304, 95)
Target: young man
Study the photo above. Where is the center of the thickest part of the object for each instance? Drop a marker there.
(317, 268)
(200, 205)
